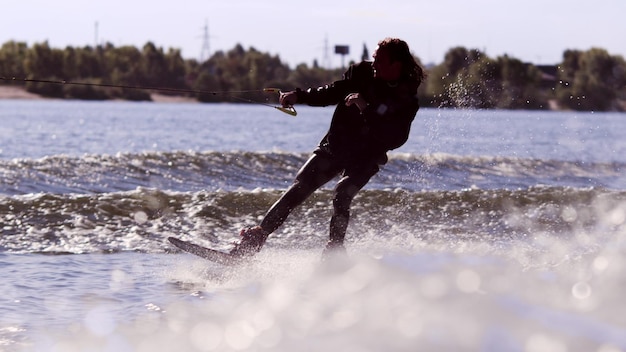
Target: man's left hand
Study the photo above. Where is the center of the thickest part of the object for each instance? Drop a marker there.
(356, 99)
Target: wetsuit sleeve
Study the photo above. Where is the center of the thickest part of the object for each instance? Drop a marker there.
(332, 94)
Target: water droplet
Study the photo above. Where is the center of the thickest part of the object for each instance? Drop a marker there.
(581, 290)
(140, 217)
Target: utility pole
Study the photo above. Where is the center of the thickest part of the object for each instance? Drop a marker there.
(326, 60)
(96, 39)
(205, 52)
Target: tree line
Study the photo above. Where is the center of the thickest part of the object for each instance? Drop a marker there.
(591, 80)
(467, 78)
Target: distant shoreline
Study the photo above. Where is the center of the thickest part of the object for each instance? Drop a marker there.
(16, 92)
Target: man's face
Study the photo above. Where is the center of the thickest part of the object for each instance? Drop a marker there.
(384, 68)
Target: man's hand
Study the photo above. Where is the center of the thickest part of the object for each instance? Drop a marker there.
(355, 98)
(288, 99)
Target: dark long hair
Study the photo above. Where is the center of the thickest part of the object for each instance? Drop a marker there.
(398, 50)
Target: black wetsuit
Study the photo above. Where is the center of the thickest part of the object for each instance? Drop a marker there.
(355, 144)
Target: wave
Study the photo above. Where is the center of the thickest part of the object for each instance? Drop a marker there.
(176, 171)
(196, 171)
(140, 220)
(445, 171)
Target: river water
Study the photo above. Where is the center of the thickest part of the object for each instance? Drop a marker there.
(488, 231)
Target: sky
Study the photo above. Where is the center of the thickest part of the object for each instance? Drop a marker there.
(536, 31)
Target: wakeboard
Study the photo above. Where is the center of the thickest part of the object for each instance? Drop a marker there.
(203, 252)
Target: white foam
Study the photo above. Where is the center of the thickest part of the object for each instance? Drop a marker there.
(433, 298)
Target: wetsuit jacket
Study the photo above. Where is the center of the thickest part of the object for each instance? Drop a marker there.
(365, 137)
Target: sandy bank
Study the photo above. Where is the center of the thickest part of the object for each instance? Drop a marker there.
(17, 92)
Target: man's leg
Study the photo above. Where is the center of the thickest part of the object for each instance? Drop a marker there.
(349, 185)
(317, 171)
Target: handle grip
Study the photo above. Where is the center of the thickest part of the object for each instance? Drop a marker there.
(289, 110)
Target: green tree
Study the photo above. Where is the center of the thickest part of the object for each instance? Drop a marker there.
(240, 70)
(12, 56)
(591, 80)
(176, 69)
(588, 80)
(160, 69)
(303, 77)
(470, 79)
(153, 67)
(124, 67)
(451, 83)
(44, 62)
(520, 84)
(366, 54)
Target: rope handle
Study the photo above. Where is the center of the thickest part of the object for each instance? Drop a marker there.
(289, 110)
